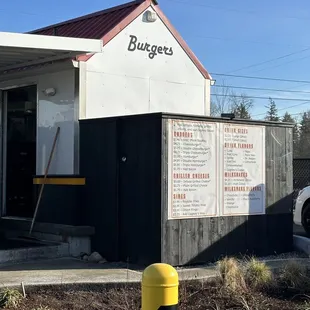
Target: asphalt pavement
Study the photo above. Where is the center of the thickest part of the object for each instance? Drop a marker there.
(298, 230)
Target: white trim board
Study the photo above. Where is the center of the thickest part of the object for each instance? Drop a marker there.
(18, 50)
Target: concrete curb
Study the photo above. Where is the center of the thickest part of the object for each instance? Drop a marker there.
(67, 274)
(302, 244)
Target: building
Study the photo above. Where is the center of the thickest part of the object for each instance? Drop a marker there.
(121, 61)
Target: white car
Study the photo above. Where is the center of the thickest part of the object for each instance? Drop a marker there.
(302, 209)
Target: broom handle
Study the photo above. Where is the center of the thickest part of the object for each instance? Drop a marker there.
(45, 175)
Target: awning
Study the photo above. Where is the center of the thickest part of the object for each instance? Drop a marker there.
(20, 50)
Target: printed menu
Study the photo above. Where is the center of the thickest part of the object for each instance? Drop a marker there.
(243, 162)
(193, 175)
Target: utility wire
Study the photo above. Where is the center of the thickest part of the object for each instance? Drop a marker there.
(260, 78)
(246, 41)
(270, 60)
(286, 108)
(258, 97)
(234, 10)
(282, 64)
(256, 64)
(262, 89)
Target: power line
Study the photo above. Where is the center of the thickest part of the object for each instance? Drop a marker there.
(234, 10)
(212, 7)
(259, 78)
(257, 97)
(299, 113)
(286, 108)
(266, 98)
(285, 63)
(271, 60)
(247, 41)
(263, 89)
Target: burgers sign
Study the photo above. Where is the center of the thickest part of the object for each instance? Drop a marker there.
(151, 50)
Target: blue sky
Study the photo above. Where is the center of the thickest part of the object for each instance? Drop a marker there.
(227, 36)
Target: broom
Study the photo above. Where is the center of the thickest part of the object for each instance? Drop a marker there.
(42, 186)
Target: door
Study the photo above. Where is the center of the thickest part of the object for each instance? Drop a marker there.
(19, 151)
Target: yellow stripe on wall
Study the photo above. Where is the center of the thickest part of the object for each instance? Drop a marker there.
(59, 181)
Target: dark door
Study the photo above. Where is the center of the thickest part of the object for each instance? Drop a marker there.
(140, 190)
(21, 106)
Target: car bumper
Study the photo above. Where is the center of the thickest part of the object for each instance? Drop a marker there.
(297, 208)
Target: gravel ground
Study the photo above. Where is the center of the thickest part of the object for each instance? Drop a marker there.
(284, 256)
(290, 255)
(192, 296)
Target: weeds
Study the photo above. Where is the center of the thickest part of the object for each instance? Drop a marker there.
(240, 285)
(231, 274)
(10, 298)
(42, 308)
(295, 276)
(257, 274)
(123, 299)
(245, 304)
(305, 306)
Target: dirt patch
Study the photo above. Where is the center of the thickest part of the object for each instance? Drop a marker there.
(193, 295)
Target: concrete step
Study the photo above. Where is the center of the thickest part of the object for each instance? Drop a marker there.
(75, 239)
(17, 250)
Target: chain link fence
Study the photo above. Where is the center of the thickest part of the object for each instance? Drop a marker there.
(301, 174)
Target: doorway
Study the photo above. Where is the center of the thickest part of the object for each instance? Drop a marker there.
(19, 150)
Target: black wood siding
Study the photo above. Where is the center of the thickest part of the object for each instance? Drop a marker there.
(140, 190)
(99, 165)
(124, 160)
(194, 241)
(121, 160)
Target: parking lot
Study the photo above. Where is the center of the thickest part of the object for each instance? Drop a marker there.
(298, 230)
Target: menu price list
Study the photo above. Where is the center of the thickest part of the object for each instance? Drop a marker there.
(243, 169)
(192, 162)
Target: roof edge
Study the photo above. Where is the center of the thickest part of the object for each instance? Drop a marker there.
(122, 25)
(182, 43)
(144, 4)
(76, 19)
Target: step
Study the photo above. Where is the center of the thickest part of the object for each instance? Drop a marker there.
(22, 224)
(77, 238)
(17, 250)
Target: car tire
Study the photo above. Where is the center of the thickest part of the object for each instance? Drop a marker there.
(305, 218)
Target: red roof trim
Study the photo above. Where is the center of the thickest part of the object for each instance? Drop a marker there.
(118, 28)
(131, 17)
(142, 5)
(115, 8)
(181, 41)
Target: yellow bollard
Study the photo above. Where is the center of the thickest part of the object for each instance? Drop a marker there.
(160, 288)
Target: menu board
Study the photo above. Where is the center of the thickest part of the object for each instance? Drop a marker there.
(192, 164)
(243, 170)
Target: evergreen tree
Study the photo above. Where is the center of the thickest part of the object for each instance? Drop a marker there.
(304, 136)
(241, 106)
(272, 112)
(287, 118)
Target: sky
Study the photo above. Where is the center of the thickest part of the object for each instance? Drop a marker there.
(267, 39)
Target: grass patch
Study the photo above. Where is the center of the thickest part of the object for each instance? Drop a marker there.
(193, 295)
(10, 298)
(294, 275)
(240, 285)
(231, 274)
(257, 274)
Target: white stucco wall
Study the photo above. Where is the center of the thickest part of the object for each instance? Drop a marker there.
(53, 112)
(59, 110)
(122, 82)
